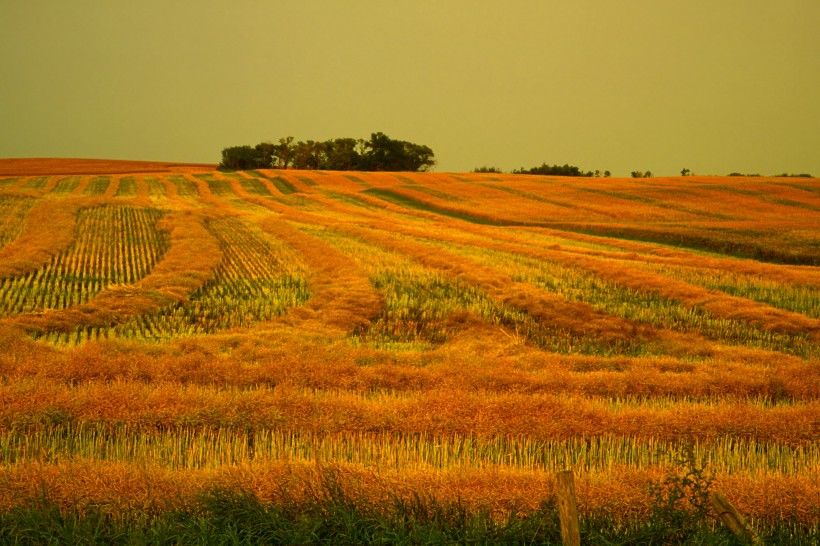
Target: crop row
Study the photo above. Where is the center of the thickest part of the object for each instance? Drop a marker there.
(36, 184)
(725, 320)
(799, 298)
(446, 410)
(641, 306)
(127, 187)
(66, 185)
(113, 245)
(156, 189)
(98, 185)
(422, 306)
(185, 188)
(212, 448)
(608, 296)
(8, 182)
(257, 279)
(13, 210)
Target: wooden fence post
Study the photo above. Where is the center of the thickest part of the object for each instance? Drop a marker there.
(567, 508)
(732, 518)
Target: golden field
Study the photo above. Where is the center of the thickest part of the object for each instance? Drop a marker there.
(169, 328)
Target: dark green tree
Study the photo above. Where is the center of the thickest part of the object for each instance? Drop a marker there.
(383, 153)
(308, 154)
(284, 152)
(417, 157)
(267, 152)
(241, 158)
(380, 153)
(342, 154)
(554, 170)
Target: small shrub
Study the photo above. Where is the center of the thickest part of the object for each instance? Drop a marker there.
(681, 501)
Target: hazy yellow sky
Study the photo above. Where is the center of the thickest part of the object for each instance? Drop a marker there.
(712, 85)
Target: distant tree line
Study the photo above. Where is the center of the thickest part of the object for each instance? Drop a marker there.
(687, 172)
(559, 170)
(380, 153)
(783, 175)
(571, 170)
(544, 169)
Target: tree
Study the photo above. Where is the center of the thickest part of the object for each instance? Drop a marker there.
(554, 170)
(685, 172)
(380, 153)
(417, 157)
(342, 154)
(383, 153)
(307, 155)
(241, 158)
(284, 152)
(266, 151)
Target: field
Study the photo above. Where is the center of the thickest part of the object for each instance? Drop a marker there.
(406, 339)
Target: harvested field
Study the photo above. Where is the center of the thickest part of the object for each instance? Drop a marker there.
(166, 329)
(55, 166)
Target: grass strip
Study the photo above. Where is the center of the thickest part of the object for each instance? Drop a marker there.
(408, 202)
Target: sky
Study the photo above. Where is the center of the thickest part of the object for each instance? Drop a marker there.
(715, 86)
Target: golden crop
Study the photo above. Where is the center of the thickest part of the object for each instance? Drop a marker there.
(463, 335)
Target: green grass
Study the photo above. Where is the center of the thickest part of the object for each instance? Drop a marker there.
(802, 187)
(13, 210)
(357, 180)
(281, 184)
(156, 189)
(434, 193)
(98, 185)
(35, 183)
(254, 187)
(286, 188)
(185, 188)
(329, 515)
(66, 185)
(127, 187)
(721, 243)
(352, 199)
(526, 195)
(409, 202)
(651, 202)
(220, 188)
(768, 198)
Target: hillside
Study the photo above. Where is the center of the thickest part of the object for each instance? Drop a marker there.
(55, 166)
(167, 328)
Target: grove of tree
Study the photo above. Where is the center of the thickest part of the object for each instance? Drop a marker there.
(379, 153)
